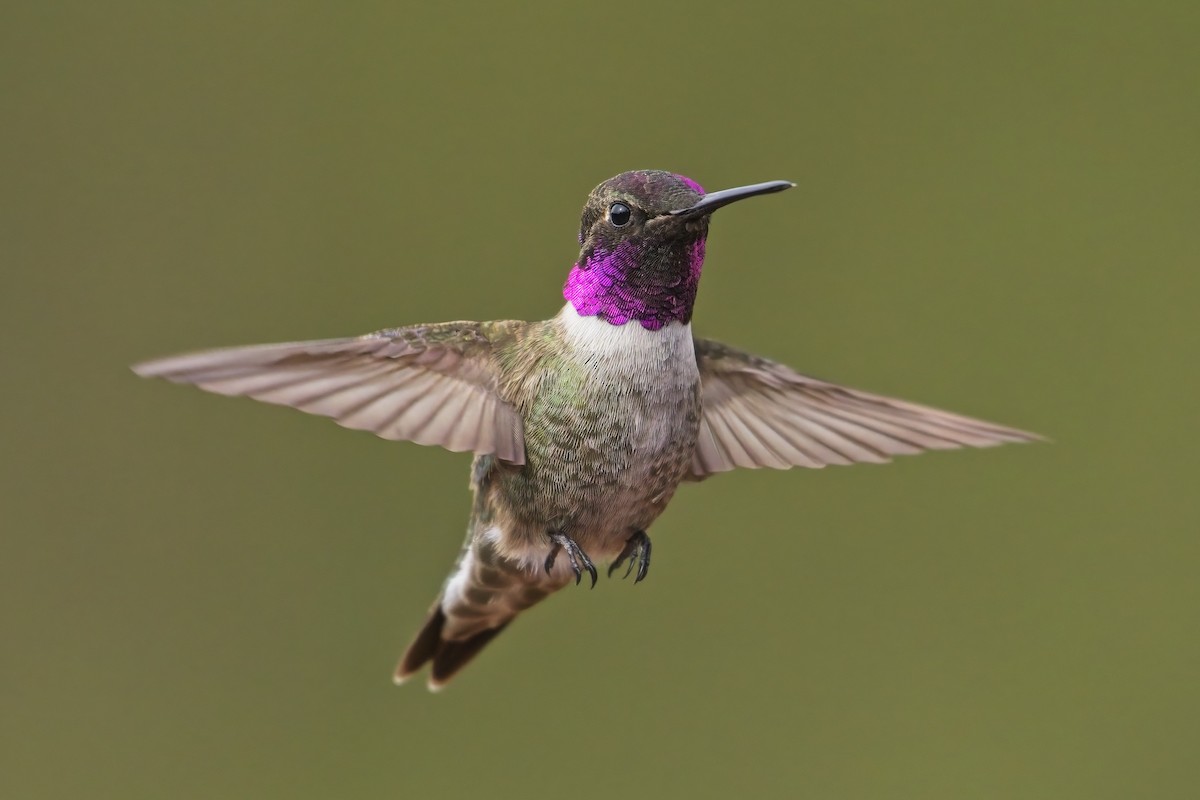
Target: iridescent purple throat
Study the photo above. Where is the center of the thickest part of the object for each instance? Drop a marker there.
(652, 283)
(627, 283)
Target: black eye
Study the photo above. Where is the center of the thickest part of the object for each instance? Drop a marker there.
(619, 215)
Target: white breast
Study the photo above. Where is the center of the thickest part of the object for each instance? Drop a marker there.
(666, 356)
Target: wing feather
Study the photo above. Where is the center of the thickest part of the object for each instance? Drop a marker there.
(432, 384)
(757, 413)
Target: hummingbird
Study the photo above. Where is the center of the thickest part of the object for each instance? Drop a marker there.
(584, 425)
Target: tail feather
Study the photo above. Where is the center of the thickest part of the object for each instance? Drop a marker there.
(448, 655)
(483, 594)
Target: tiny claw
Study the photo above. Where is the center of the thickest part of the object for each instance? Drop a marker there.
(553, 555)
(637, 548)
(575, 555)
(643, 563)
(574, 566)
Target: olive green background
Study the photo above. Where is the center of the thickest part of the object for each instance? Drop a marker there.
(996, 212)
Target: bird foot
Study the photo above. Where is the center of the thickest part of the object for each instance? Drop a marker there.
(637, 548)
(578, 558)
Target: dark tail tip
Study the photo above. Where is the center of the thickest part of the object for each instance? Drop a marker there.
(448, 656)
(424, 647)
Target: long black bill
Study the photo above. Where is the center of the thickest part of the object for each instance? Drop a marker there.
(714, 200)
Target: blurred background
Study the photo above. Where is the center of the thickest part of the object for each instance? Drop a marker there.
(996, 212)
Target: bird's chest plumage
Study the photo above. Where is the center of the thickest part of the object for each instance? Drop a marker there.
(610, 431)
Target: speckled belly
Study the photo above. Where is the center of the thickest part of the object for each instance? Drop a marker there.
(605, 468)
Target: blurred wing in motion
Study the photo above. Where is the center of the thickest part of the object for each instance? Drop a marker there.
(429, 384)
(758, 413)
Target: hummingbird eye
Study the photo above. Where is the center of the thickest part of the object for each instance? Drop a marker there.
(619, 215)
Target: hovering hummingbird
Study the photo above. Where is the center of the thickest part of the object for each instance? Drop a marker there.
(583, 425)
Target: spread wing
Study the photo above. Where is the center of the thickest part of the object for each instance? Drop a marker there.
(430, 384)
(758, 413)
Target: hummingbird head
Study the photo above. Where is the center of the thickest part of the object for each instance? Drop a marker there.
(641, 242)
